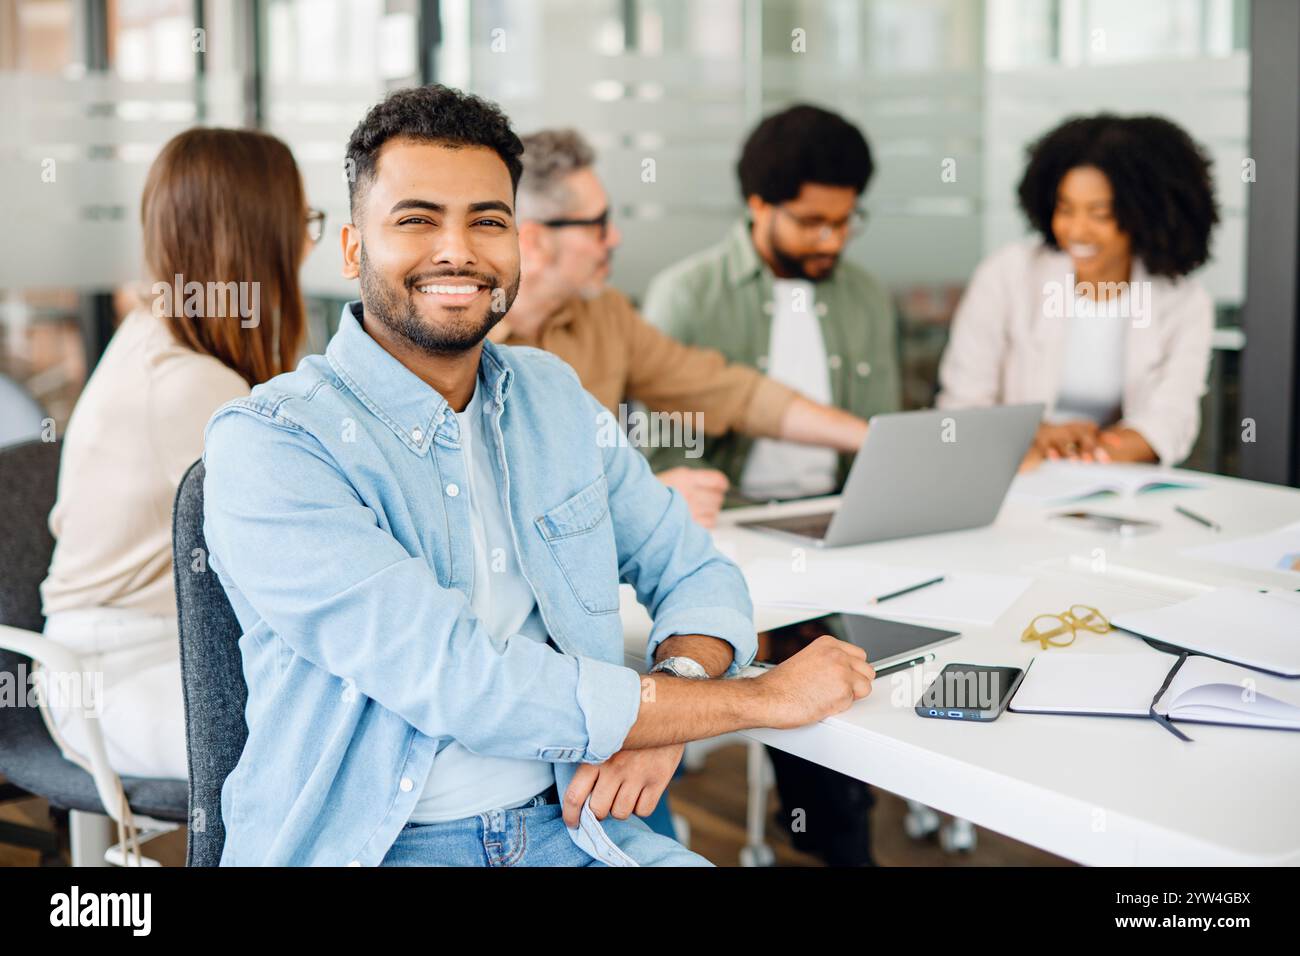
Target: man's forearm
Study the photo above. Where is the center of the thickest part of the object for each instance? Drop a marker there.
(675, 710)
(809, 423)
(712, 653)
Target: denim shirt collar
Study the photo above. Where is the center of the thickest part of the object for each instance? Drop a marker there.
(412, 409)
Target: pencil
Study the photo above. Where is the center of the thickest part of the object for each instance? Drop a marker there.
(900, 593)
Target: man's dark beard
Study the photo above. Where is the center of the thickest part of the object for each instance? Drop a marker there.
(386, 304)
(792, 267)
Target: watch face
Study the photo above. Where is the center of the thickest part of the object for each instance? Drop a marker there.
(685, 667)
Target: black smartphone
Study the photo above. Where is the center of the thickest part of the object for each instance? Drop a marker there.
(969, 692)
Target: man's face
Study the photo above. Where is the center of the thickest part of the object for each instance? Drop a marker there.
(436, 248)
(578, 256)
(803, 237)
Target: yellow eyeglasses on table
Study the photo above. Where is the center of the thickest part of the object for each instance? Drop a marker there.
(1059, 630)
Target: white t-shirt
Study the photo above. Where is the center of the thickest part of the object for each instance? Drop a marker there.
(1092, 375)
(796, 356)
(462, 783)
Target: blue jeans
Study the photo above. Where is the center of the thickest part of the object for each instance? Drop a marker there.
(531, 835)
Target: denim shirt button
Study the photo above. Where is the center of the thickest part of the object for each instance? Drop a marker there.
(406, 784)
(453, 490)
(416, 435)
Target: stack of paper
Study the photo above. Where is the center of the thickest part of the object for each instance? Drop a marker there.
(833, 583)
(1275, 551)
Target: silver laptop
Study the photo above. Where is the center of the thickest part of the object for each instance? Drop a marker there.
(922, 473)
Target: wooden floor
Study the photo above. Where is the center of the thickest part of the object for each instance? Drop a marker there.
(713, 802)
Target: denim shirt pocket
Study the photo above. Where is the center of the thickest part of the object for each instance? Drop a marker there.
(579, 533)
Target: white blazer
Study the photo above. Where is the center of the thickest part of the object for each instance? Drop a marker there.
(1008, 341)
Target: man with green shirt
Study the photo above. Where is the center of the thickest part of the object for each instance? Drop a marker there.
(774, 295)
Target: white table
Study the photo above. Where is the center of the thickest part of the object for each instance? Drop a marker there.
(1095, 790)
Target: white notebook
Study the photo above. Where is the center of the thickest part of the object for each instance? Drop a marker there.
(1252, 628)
(1186, 688)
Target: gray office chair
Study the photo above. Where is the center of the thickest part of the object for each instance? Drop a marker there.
(30, 760)
(212, 673)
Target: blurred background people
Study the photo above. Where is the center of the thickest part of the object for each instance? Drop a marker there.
(566, 242)
(775, 295)
(1096, 315)
(226, 227)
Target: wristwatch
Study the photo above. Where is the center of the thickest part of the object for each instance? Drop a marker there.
(681, 667)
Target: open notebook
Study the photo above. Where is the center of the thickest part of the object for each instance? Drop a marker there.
(1059, 482)
(1185, 688)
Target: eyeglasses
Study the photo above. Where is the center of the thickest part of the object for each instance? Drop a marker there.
(601, 222)
(315, 224)
(1051, 629)
(818, 229)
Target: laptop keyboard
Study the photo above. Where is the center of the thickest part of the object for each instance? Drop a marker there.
(808, 526)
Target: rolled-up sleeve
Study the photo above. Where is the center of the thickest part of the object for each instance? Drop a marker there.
(289, 532)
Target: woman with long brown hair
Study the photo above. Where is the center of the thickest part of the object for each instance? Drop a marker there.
(226, 228)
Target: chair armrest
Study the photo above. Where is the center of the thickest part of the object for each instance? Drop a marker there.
(54, 657)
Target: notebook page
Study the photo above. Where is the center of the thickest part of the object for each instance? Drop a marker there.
(1206, 689)
(1059, 681)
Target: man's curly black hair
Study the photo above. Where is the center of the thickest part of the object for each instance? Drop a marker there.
(431, 114)
(802, 144)
(1164, 195)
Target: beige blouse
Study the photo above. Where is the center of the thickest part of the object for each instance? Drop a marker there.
(1010, 333)
(135, 430)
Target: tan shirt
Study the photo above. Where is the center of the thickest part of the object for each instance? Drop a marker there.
(135, 430)
(618, 356)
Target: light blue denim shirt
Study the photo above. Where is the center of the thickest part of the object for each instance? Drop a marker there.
(334, 520)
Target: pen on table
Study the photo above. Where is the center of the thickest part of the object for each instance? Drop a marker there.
(903, 664)
(1197, 518)
(900, 593)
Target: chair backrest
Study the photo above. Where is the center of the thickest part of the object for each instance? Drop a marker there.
(21, 416)
(212, 674)
(29, 474)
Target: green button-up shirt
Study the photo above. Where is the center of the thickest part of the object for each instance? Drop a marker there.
(722, 298)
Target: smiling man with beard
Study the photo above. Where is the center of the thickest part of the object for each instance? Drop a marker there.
(423, 540)
(775, 295)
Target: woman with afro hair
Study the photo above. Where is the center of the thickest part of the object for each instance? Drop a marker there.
(1096, 315)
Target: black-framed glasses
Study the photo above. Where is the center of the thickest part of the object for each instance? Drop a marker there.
(315, 224)
(815, 227)
(601, 222)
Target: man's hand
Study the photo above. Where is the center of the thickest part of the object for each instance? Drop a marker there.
(824, 678)
(631, 781)
(702, 488)
(1074, 440)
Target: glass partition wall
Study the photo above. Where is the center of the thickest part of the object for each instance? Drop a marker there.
(949, 92)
